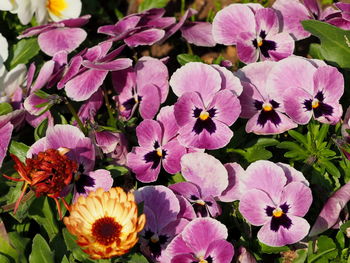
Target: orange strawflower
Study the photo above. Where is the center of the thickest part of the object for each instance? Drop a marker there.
(105, 223)
(47, 173)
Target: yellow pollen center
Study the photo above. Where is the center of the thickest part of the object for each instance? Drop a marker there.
(267, 107)
(260, 43)
(56, 6)
(201, 259)
(154, 238)
(315, 103)
(200, 202)
(204, 115)
(159, 152)
(277, 212)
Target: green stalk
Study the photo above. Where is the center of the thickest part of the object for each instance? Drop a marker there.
(75, 115)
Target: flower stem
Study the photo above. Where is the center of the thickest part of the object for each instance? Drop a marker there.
(75, 115)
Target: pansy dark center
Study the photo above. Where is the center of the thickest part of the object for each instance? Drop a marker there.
(267, 112)
(202, 259)
(155, 242)
(279, 217)
(130, 103)
(155, 156)
(264, 45)
(204, 120)
(318, 106)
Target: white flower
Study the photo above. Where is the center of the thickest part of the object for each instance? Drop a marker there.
(3, 50)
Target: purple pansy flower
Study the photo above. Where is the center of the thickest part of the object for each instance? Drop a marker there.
(330, 213)
(207, 181)
(59, 36)
(161, 208)
(295, 11)
(145, 85)
(308, 90)
(207, 104)
(87, 70)
(261, 103)
(254, 32)
(81, 150)
(158, 145)
(276, 204)
(202, 240)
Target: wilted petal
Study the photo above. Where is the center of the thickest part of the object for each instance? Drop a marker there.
(331, 210)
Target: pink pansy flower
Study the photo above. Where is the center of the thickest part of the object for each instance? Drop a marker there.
(158, 145)
(254, 30)
(207, 104)
(146, 85)
(276, 198)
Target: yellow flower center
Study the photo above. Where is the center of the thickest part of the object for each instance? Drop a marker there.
(154, 238)
(204, 115)
(159, 152)
(56, 6)
(202, 260)
(315, 103)
(260, 43)
(277, 212)
(200, 202)
(267, 107)
(106, 230)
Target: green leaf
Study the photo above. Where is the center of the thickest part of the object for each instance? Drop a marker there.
(148, 4)
(344, 226)
(340, 238)
(5, 108)
(23, 51)
(272, 250)
(185, 58)
(41, 252)
(257, 151)
(41, 212)
(19, 149)
(7, 251)
(65, 259)
(137, 258)
(298, 136)
(326, 249)
(20, 243)
(315, 51)
(40, 130)
(330, 167)
(335, 42)
(176, 178)
(302, 255)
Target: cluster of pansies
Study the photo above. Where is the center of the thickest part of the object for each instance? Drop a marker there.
(142, 155)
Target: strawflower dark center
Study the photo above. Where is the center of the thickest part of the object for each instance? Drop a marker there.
(106, 230)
